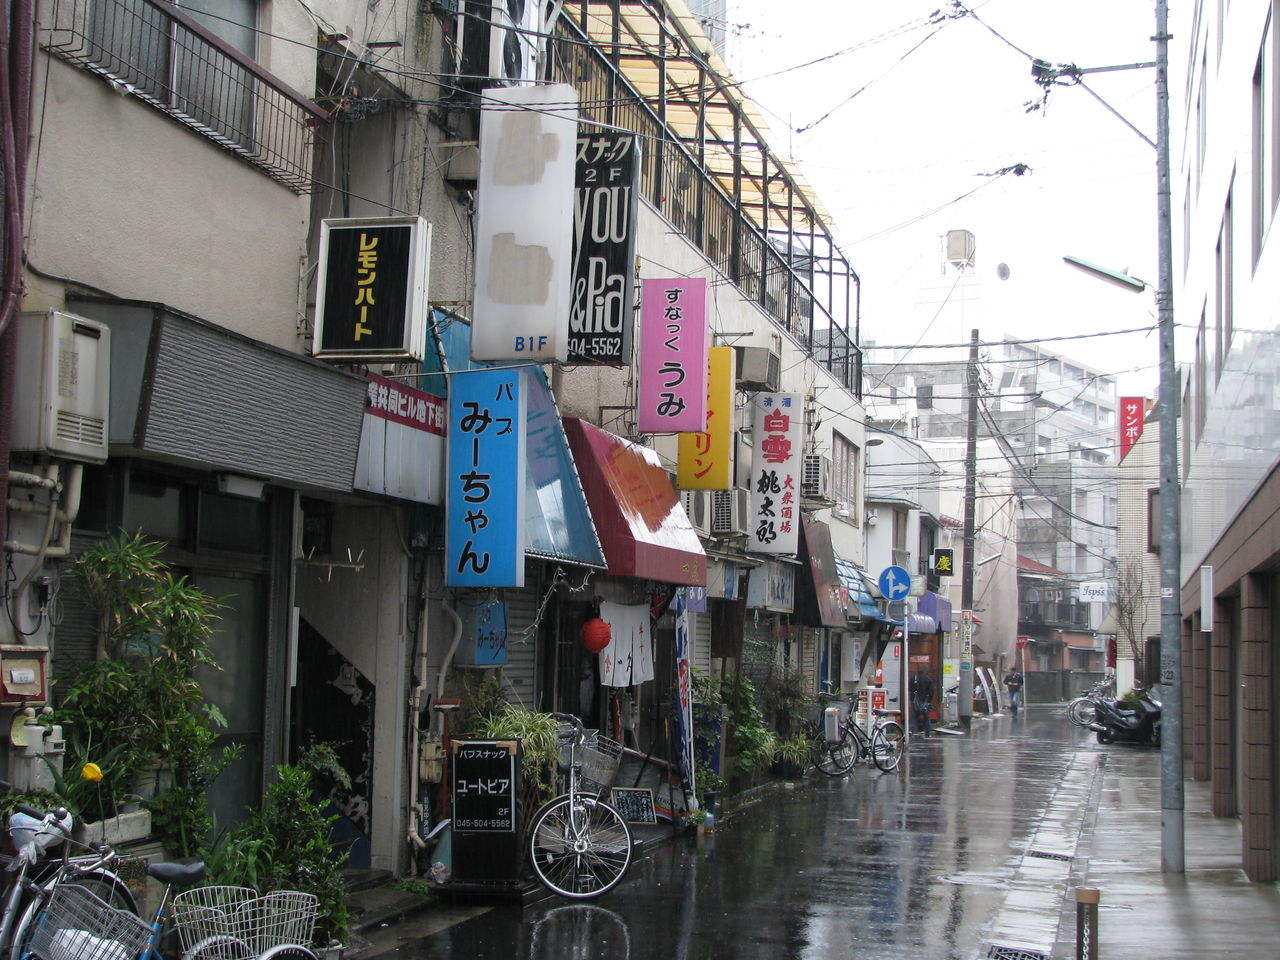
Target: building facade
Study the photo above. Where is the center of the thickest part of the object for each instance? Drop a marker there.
(1224, 69)
(184, 175)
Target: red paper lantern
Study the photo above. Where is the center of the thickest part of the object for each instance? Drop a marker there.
(596, 635)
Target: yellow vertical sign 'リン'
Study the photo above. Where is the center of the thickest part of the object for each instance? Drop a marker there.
(706, 459)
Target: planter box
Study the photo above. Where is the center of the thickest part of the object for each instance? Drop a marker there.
(131, 825)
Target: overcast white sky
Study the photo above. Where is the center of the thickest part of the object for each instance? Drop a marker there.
(890, 162)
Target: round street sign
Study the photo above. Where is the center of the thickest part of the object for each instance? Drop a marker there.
(895, 583)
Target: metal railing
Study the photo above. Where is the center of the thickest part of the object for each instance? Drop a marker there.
(772, 269)
(151, 50)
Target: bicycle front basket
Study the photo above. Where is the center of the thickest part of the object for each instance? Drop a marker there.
(243, 921)
(600, 758)
(76, 925)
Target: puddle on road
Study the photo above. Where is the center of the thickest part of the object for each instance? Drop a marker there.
(976, 880)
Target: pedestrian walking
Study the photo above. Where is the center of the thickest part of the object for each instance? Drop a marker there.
(1013, 683)
(922, 702)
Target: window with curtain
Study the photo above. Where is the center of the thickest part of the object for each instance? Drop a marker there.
(844, 475)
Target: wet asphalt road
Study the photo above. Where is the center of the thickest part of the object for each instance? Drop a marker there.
(936, 861)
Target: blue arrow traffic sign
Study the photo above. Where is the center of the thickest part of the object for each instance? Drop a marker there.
(895, 583)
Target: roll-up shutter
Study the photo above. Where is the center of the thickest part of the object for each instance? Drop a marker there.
(810, 656)
(700, 633)
(74, 639)
(520, 673)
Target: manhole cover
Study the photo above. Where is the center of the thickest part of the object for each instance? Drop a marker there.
(1046, 855)
(1011, 953)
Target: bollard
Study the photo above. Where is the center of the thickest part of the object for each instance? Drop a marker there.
(1087, 923)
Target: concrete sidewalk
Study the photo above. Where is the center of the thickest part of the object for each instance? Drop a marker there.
(1211, 910)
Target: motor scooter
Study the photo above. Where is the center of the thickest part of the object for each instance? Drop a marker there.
(1116, 722)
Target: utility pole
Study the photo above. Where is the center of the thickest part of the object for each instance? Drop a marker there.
(1172, 800)
(1172, 791)
(965, 693)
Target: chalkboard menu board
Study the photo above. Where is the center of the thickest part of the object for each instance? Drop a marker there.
(484, 786)
(635, 805)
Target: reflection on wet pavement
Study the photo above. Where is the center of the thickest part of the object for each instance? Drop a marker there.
(966, 846)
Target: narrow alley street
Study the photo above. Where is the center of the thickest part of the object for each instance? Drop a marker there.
(968, 846)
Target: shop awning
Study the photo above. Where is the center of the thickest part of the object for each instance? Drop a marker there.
(642, 525)
(861, 603)
(194, 393)
(937, 608)
(823, 589)
(922, 623)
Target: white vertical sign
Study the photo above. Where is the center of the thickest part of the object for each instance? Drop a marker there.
(1206, 599)
(524, 223)
(776, 462)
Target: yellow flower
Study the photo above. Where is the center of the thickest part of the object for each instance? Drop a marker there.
(91, 771)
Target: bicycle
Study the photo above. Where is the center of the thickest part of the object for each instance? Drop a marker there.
(66, 918)
(34, 875)
(215, 923)
(578, 845)
(1080, 710)
(836, 752)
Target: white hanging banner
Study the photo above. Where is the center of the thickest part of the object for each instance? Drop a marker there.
(628, 658)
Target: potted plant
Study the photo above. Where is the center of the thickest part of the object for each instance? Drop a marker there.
(540, 746)
(288, 844)
(140, 702)
(791, 756)
(752, 741)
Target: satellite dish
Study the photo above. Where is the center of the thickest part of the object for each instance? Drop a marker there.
(1002, 271)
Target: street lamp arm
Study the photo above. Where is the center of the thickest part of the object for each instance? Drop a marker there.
(1119, 278)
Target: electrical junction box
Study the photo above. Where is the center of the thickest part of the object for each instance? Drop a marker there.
(22, 675)
(62, 386)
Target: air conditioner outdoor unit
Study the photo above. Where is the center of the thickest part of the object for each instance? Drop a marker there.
(497, 39)
(759, 368)
(815, 478)
(697, 504)
(730, 512)
(62, 386)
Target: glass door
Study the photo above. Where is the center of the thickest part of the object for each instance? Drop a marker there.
(238, 689)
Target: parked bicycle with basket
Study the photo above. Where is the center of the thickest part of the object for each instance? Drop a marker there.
(839, 742)
(78, 908)
(580, 846)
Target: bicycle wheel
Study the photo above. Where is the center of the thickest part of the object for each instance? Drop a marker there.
(579, 849)
(837, 758)
(290, 951)
(887, 745)
(1080, 711)
(220, 947)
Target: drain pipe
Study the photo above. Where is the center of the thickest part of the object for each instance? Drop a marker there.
(63, 507)
(416, 840)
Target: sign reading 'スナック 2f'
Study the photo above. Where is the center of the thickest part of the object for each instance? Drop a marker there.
(604, 239)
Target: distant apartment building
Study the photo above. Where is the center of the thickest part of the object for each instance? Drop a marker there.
(1047, 424)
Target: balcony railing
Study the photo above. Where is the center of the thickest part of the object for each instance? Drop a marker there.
(782, 258)
(152, 50)
(1056, 614)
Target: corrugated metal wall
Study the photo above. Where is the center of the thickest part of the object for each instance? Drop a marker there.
(262, 411)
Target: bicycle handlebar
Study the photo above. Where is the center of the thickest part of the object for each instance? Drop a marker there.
(575, 722)
(51, 815)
